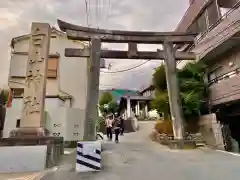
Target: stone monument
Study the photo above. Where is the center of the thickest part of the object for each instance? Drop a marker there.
(32, 139)
(32, 119)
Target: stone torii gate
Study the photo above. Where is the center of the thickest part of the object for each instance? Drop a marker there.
(169, 54)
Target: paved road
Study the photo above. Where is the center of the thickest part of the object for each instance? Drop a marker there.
(138, 158)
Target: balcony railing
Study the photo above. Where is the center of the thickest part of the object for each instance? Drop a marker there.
(224, 76)
(226, 89)
(224, 16)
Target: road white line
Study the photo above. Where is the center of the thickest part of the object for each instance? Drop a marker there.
(226, 152)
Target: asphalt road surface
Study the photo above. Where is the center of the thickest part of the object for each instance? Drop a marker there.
(136, 157)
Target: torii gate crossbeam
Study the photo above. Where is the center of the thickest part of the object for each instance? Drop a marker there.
(76, 32)
(170, 55)
(115, 54)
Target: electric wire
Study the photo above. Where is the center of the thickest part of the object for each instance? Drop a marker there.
(129, 69)
(118, 80)
(108, 10)
(99, 12)
(87, 12)
(96, 13)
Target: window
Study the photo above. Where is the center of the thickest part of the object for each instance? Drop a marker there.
(202, 24)
(193, 28)
(212, 11)
(18, 123)
(52, 67)
(17, 92)
(212, 76)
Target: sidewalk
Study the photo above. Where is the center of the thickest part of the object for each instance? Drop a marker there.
(27, 176)
(19, 176)
(68, 157)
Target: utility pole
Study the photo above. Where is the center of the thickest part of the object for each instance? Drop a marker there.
(92, 91)
(173, 91)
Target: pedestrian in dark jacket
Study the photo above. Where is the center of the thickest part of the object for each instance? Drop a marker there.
(117, 129)
(122, 125)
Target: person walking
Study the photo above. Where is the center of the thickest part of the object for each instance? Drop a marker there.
(109, 124)
(117, 128)
(122, 125)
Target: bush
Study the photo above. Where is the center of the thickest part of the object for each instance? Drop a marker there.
(164, 127)
(100, 125)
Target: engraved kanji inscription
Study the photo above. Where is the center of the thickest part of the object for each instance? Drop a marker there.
(34, 93)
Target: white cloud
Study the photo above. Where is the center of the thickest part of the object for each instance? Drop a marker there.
(152, 15)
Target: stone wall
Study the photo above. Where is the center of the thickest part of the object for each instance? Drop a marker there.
(211, 131)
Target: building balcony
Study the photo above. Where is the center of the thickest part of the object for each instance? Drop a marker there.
(220, 37)
(193, 11)
(225, 88)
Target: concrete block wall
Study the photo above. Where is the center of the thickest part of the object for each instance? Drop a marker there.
(211, 131)
(61, 122)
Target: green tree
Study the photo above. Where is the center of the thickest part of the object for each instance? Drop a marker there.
(160, 103)
(159, 79)
(105, 98)
(107, 104)
(4, 95)
(112, 107)
(193, 90)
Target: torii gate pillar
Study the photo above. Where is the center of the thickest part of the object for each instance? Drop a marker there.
(173, 91)
(92, 90)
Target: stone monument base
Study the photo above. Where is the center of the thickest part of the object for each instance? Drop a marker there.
(29, 132)
(46, 149)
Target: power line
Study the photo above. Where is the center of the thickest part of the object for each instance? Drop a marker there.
(96, 12)
(108, 9)
(99, 12)
(129, 69)
(132, 75)
(87, 11)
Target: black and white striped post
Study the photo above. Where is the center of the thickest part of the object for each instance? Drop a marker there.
(88, 156)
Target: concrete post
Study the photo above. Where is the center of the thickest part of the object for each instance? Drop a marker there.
(32, 121)
(138, 108)
(173, 91)
(128, 107)
(146, 110)
(92, 91)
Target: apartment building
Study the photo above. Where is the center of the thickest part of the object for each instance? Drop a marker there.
(217, 23)
(66, 87)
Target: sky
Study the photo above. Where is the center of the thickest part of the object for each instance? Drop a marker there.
(138, 15)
